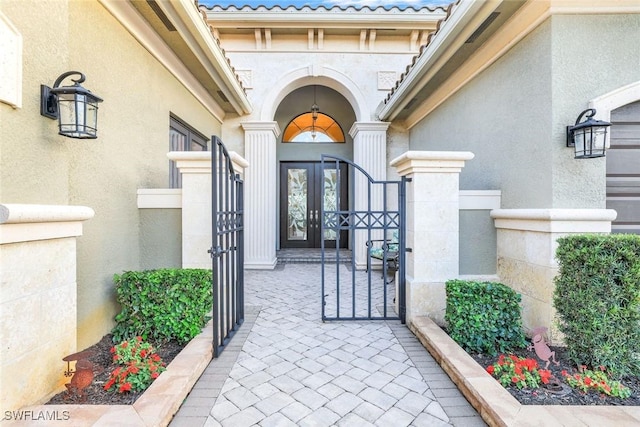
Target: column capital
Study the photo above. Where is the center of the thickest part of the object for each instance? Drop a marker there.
(555, 220)
(261, 127)
(413, 162)
(200, 161)
(368, 127)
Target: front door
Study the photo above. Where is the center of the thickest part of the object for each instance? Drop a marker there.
(301, 196)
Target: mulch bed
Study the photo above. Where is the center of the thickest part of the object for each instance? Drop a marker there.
(568, 395)
(103, 365)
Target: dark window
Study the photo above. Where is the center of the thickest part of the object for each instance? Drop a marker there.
(182, 137)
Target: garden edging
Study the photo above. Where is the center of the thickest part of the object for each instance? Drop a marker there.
(157, 405)
(495, 405)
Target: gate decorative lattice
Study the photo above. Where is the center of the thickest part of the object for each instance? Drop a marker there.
(227, 248)
(376, 222)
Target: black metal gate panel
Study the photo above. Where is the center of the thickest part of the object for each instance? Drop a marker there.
(227, 248)
(377, 224)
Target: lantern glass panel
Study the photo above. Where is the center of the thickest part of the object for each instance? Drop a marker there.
(78, 115)
(590, 141)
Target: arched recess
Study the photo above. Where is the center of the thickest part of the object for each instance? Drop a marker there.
(315, 75)
(608, 102)
(621, 107)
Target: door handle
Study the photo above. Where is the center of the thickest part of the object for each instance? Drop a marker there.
(311, 220)
(317, 218)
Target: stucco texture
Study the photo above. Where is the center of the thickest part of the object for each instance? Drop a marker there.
(39, 166)
(513, 115)
(591, 56)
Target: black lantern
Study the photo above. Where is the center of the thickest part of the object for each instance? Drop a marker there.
(75, 107)
(589, 137)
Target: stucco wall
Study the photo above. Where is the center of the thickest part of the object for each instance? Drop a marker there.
(503, 116)
(39, 166)
(591, 56)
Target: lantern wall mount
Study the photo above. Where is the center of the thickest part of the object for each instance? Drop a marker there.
(589, 137)
(75, 107)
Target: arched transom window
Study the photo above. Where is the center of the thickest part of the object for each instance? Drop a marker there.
(313, 127)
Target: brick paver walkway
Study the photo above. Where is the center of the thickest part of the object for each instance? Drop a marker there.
(286, 368)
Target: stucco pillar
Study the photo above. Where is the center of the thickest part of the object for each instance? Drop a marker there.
(370, 153)
(260, 194)
(195, 167)
(433, 205)
(38, 301)
(527, 243)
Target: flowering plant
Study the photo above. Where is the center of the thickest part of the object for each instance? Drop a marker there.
(140, 365)
(596, 380)
(518, 372)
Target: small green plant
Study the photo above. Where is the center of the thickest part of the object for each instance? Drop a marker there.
(597, 297)
(162, 305)
(596, 380)
(484, 317)
(514, 371)
(140, 365)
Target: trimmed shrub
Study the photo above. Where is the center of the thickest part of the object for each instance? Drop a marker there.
(484, 317)
(597, 298)
(162, 305)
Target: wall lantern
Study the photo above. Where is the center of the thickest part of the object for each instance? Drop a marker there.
(75, 107)
(589, 137)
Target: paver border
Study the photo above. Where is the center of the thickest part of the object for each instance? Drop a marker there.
(498, 407)
(157, 405)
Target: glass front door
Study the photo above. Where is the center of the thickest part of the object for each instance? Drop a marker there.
(301, 198)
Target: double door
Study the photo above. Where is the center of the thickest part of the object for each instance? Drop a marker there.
(304, 189)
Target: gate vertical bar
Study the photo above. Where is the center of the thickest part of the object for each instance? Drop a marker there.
(402, 248)
(227, 250)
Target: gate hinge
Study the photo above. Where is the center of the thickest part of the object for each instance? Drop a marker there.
(408, 249)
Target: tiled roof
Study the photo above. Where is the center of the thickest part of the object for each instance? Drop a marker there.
(423, 48)
(335, 8)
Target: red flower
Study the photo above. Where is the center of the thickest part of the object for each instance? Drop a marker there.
(587, 381)
(124, 344)
(113, 350)
(490, 369)
(155, 375)
(515, 380)
(125, 387)
(564, 373)
(116, 357)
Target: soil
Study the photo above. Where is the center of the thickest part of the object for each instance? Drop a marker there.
(102, 367)
(567, 395)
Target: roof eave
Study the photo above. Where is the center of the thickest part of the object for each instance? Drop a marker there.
(435, 54)
(197, 34)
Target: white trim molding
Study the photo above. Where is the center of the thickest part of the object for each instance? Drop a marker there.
(431, 161)
(159, 198)
(480, 199)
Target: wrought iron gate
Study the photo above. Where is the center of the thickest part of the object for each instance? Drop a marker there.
(377, 223)
(227, 248)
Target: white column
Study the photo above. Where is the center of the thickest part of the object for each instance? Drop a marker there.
(432, 227)
(195, 167)
(527, 243)
(38, 301)
(370, 153)
(260, 194)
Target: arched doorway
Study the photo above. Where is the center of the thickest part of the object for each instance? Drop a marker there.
(312, 119)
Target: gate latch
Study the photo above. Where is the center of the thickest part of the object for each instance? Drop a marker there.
(215, 252)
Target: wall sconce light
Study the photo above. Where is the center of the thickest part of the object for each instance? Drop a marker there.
(75, 107)
(589, 137)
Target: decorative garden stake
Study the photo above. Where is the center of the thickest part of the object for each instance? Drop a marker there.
(541, 347)
(82, 377)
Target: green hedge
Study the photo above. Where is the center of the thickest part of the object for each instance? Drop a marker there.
(161, 305)
(597, 298)
(484, 317)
